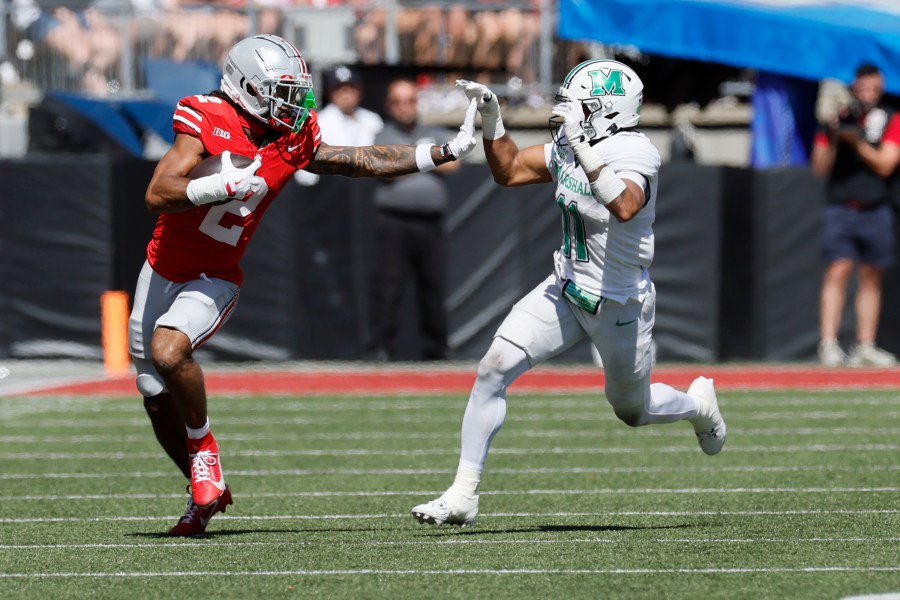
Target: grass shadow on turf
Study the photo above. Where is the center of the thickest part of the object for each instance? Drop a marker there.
(232, 532)
(212, 534)
(564, 528)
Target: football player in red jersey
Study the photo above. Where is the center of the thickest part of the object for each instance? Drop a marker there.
(191, 280)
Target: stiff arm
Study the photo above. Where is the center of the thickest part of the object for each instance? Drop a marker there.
(387, 160)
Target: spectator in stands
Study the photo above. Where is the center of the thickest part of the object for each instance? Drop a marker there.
(419, 30)
(84, 40)
(858, 152)
(343, 121)
(409, 237)
(460, 35)
(495, 39)
(368, 35)
(199, 31)
(504, 37)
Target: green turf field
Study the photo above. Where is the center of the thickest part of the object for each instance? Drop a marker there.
(804, 502)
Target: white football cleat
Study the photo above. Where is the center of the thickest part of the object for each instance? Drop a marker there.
(708, 424)
(451, 509)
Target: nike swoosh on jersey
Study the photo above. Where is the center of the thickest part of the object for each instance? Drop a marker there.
(292, 148)
(621, 324)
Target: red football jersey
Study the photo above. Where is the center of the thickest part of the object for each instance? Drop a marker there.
(211, 239)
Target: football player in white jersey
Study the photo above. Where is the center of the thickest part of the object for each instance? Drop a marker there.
(606, 176)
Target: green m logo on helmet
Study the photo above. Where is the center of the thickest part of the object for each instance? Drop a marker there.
(607, 84)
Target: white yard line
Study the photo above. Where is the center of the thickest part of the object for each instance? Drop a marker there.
(417, 417)
(456, 542)
(394, 435)
(710, 513)
(88, 404)
(455, 572)
(531, 492)
(793, 449)
(508, 471)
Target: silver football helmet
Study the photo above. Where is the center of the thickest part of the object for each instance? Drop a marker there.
(610, 93)
(266, 76)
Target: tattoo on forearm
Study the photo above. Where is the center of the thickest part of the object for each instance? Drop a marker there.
(365, 161)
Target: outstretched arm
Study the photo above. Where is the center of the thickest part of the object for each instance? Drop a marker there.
(372, 161)
(390, 160)
(509, 165)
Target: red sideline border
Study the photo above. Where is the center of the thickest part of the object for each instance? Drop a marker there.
(405, 380)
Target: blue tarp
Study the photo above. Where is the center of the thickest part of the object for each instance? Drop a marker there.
(784, 121)
(807, 39)
(124, 120)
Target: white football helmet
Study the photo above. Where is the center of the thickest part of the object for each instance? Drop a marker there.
(610, 93)
(266, 76)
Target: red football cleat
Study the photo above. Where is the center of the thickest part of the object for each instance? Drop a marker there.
(196, 518)
(207, 482)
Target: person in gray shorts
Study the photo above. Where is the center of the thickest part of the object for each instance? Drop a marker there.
(857, 152)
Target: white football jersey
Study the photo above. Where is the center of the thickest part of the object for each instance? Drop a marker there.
(599, 253)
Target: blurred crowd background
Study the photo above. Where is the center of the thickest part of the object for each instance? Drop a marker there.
(163, 49)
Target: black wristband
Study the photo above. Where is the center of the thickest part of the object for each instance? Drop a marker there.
(446, 154)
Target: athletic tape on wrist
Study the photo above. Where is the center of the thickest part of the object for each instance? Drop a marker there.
(424, 162)
(587, 156)
(492, 127)
(205, 190)
(608, 186)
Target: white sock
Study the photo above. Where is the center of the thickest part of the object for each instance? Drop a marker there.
(196, 434)
(466, 482)
(486, 409)
(667, 405)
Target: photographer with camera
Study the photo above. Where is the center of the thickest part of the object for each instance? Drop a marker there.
(858, 152)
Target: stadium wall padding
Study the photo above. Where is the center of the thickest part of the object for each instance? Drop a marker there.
(58, 253)
(737, 264)
(686, 265)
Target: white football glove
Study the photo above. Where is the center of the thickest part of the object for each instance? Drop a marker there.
(464, 142)
(230, 183)
(488, 106)
(607, 185)
(572, 115)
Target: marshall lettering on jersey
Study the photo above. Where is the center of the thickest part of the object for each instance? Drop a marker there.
(599, 255)
(211, 239)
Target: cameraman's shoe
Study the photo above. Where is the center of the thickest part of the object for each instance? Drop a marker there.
(870, 355)
(831, 354)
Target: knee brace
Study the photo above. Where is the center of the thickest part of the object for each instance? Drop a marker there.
(149, 383)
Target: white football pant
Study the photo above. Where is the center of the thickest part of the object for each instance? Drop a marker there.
(544, 324)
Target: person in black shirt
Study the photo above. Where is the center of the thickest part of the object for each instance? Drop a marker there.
(858, 152)
(409, 237)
